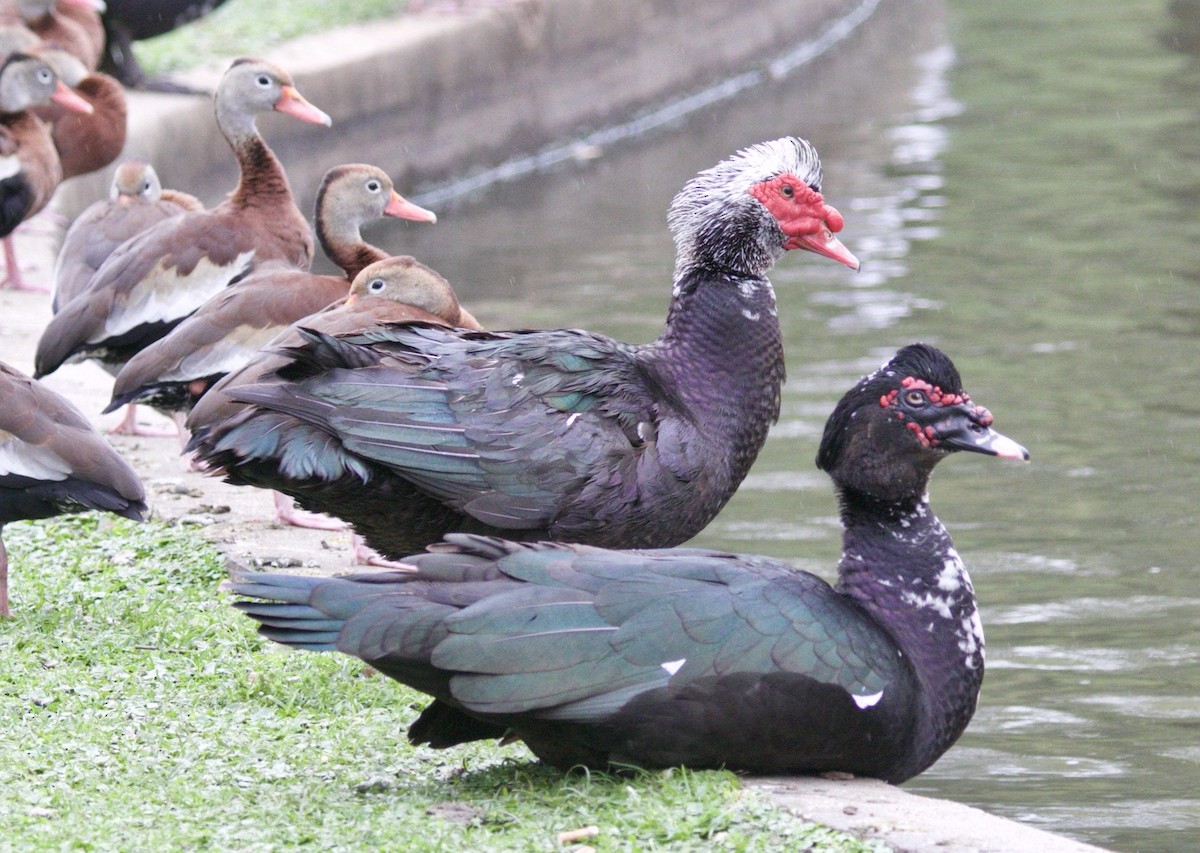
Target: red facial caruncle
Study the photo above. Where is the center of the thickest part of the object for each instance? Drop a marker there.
(806, 220)
(936, 396)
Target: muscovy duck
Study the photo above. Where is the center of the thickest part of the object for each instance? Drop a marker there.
(686, 656)
(225, 332)
(151, 283)
(411, 431)
(52, 462)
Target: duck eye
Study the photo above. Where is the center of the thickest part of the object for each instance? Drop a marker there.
(376, 284)
(264, 80)
(373, 186)
(914, 398)
(45, 75)
(787, 190)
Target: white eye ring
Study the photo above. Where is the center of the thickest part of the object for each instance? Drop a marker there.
(375, 284)
(373, 186)
(263, 80)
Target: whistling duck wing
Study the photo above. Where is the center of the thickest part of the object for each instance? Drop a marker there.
(222, 336)
(137, 202)
(52, 461)
(145, 288)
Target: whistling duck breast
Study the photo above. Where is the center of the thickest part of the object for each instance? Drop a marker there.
(52, 462)
(665, 657)
(393, 290)
(227, 330)
(155, 280)
(412, 430)
(136, 201)
(29, 167)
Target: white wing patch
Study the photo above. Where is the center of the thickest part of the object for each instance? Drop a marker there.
(27, 460)
(225, 356)
(673, 666)
(165, 295)
(9, 166)
(865, 702)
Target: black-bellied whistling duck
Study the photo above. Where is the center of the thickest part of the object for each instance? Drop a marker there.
(412, 430)
(73, 25)
(86, 142)
(151, 283)
(393, 290)
(668, 657)
(29, 167)
(136, 202)
(52, 462)
(227, 330)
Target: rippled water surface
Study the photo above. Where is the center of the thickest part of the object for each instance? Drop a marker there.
(1021, 181)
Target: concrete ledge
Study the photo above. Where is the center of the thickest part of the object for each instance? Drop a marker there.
(875, 810)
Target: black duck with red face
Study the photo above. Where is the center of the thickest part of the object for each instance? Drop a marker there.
(685, 656)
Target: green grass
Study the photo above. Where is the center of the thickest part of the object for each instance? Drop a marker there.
(250, 27)
(139, 711)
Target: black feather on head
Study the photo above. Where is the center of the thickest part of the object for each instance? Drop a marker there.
(920, 360)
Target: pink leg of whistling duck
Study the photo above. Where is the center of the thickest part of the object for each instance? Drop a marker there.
(364, 555)
(130, 426)
(12, 270)
(287, 513)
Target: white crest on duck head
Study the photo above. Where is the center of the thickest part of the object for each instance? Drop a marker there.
(714, 202)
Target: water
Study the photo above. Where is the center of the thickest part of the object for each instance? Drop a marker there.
(1021, 181)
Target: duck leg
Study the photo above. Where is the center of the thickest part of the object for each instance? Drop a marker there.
(365, 555)
(287, 513)
(130, 426)
(12, 270)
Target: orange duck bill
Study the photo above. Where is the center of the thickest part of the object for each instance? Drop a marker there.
(292, 103)
(402, 208)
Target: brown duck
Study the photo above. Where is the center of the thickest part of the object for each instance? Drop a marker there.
(151, 283)
(52, 462)
(228, 329)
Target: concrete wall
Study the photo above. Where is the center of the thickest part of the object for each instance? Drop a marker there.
(435, 96)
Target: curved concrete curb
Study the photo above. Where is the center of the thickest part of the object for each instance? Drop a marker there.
(907, 822)
(424, 96)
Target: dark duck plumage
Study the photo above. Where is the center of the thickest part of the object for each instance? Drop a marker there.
(52, 462)
(411, 431)
(696, 657)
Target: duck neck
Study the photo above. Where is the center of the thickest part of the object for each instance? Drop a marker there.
(262, 181)
(899, 563)
(721, 356)
(344, 245)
